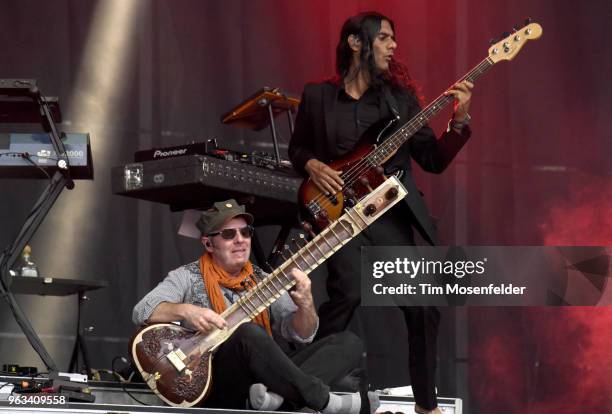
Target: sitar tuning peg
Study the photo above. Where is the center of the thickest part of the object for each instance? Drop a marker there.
(363, 180)
(370, 209)
(301, 241)
(307, 227)
(296, 242)
(391, 193)
(283, 250)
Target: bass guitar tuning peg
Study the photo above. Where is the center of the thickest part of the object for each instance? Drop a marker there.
(528, 21)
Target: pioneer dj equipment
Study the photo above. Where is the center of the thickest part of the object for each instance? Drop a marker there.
(197, 181)
(23, 155)
(210, 148)
(200, 148)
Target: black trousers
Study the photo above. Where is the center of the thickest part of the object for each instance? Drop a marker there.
(344, 290)
(251, 356)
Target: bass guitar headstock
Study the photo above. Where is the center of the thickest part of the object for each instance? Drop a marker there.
(511, 44)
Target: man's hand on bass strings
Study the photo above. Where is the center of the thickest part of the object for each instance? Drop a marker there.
(325, 178)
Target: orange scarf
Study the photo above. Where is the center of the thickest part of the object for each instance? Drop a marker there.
(215, 277)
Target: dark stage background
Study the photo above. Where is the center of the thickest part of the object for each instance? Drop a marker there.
(138, 74)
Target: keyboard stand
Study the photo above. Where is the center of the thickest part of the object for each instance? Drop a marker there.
(60, 180)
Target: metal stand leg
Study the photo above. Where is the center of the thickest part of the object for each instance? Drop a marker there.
(274, 137)
(279, 244)
(291, 123)
(8, 259)
(270, 262)
(79, 345)
(60, 180)
(259, 254)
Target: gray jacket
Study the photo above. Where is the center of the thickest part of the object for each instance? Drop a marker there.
(185, 285)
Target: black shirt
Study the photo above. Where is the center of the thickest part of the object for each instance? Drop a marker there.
(354, 116)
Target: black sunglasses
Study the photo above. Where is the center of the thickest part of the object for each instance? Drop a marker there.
(229, 234)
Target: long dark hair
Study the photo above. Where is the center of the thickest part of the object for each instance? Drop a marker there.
(366, 26)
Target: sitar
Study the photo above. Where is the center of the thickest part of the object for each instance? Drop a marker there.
(362, 169)
(176, 362)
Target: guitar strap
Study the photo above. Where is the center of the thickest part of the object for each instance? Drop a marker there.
(394, 109)
(422, 220)
(391, 101)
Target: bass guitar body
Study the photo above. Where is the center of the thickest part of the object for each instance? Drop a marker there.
(362, 168)
(361, 174)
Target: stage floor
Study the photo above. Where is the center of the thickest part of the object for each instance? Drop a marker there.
(114, 398)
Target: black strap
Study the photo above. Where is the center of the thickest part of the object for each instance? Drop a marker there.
(391, 101)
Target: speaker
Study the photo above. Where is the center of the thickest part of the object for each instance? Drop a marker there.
(405, 405)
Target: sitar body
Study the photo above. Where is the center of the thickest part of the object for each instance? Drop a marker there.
(150, 347)
(176, 363)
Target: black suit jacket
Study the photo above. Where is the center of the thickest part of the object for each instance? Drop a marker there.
(315, 137)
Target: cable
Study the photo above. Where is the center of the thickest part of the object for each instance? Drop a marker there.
(124, 382)
(40, 201)
(21, 154)
(7, 383)
(27, 157)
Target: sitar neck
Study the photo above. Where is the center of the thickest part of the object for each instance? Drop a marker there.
(315, 252)
(307, 258)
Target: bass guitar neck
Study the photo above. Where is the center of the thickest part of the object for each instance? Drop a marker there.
(362, 168)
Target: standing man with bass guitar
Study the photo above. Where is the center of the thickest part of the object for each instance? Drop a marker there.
(370, 86)
(250, 364)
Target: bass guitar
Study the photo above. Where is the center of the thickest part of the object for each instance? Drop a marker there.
(362, 168)
(176, 362)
